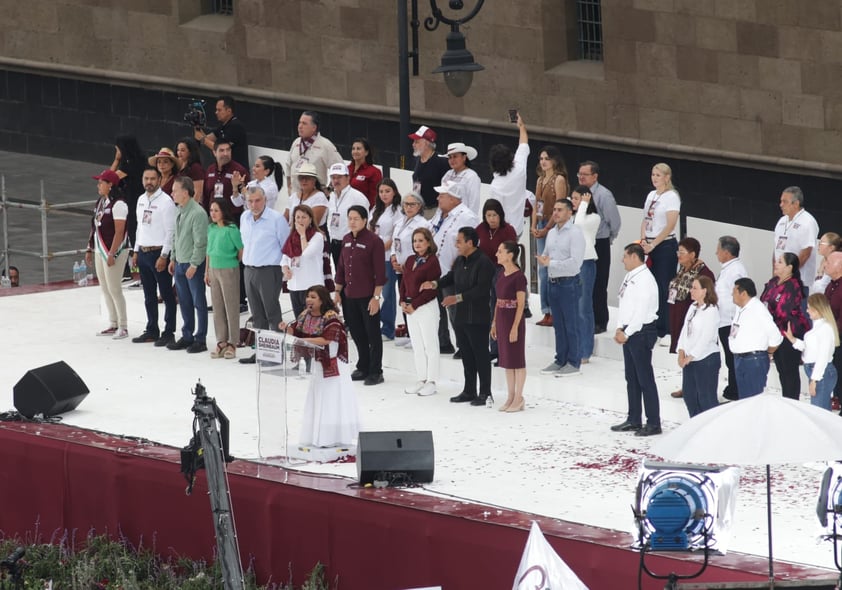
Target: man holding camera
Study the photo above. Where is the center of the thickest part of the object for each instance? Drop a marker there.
(230, 129)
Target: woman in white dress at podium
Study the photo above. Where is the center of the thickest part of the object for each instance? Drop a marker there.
(331, 416)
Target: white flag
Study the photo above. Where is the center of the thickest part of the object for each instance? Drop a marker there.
(542, 569)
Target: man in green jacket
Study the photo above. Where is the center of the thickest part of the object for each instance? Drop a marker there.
(187, 265)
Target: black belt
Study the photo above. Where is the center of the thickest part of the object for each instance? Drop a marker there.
(748, 354)
(562, 279)
(150, 248)
(669, 237)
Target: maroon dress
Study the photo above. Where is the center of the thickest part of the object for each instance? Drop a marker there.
(512, 355)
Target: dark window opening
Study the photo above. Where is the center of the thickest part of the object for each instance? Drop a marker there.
(589, 21)
(225, 7)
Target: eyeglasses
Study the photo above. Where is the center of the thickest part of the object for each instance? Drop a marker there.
(412, 204)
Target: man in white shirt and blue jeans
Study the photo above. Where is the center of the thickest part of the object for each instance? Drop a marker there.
(637, 333)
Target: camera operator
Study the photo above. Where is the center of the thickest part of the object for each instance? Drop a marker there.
(230, 129)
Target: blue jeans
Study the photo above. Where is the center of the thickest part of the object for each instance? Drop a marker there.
(664, 265)
(543, 283)
(389, 307)
(824, 387)
(751, 369)
(192, 302)
(699, 381)
(564, 296)
(640, 377)
(586, 318)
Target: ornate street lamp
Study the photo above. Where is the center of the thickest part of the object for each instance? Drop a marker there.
(457, 63)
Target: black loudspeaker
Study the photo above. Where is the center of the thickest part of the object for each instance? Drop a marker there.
(397, 457)
(49, 390)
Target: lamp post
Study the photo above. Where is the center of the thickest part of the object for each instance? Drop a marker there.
(457, 63)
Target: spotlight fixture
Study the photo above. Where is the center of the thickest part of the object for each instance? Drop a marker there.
(685, 508)
(829, 509)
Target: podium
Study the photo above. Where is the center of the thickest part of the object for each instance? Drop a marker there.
(283, 365)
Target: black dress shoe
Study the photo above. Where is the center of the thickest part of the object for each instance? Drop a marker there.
(648, 430)
(165, 339)
(244, 308)
(457, 355)
(730, 396)
(527, 313)
(480, 400)
(179, 344)
(464, 397)
(374, 379)
(626, 427)
(249, 360)
(447, 349)
(197, 347)
(358, 375)
(599, 329)
(144, 338)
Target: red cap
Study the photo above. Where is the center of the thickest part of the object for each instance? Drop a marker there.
(108, 176)
(423, 132)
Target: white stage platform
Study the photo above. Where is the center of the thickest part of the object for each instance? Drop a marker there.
(557, 458)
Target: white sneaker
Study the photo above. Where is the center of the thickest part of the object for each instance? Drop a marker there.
(413, 389)
(401, 342)
(428, 389)
(664, 341)
(120, 334)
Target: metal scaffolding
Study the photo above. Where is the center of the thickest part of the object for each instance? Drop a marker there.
(77, 208)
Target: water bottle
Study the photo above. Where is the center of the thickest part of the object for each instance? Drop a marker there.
(489, 402)
(302, 369)
(83, 274)
(76, 272)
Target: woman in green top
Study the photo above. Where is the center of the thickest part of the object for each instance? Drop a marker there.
(225, 250)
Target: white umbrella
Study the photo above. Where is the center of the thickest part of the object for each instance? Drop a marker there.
(760, 430)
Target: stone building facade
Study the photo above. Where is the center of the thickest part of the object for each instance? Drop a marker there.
(740, 97)
(751, 77)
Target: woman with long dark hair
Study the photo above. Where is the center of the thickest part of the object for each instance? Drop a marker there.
(190, 164)
(364, 175)
(587, 218)
(129, 164)
(783, 295)
(108, 245)
(331, 416)
(385, 216)
(552, 184)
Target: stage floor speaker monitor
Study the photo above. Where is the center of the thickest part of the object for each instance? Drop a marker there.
(49, 390)
(404, 456)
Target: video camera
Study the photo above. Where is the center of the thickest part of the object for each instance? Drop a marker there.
(195, 114)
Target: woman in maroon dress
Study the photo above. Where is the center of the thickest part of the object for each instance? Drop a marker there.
(508, 326)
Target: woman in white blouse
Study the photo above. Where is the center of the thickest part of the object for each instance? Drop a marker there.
(385, 215)
(267, 174)
(658, 238)
(698, 348)
(587, 219)
(817, 350)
